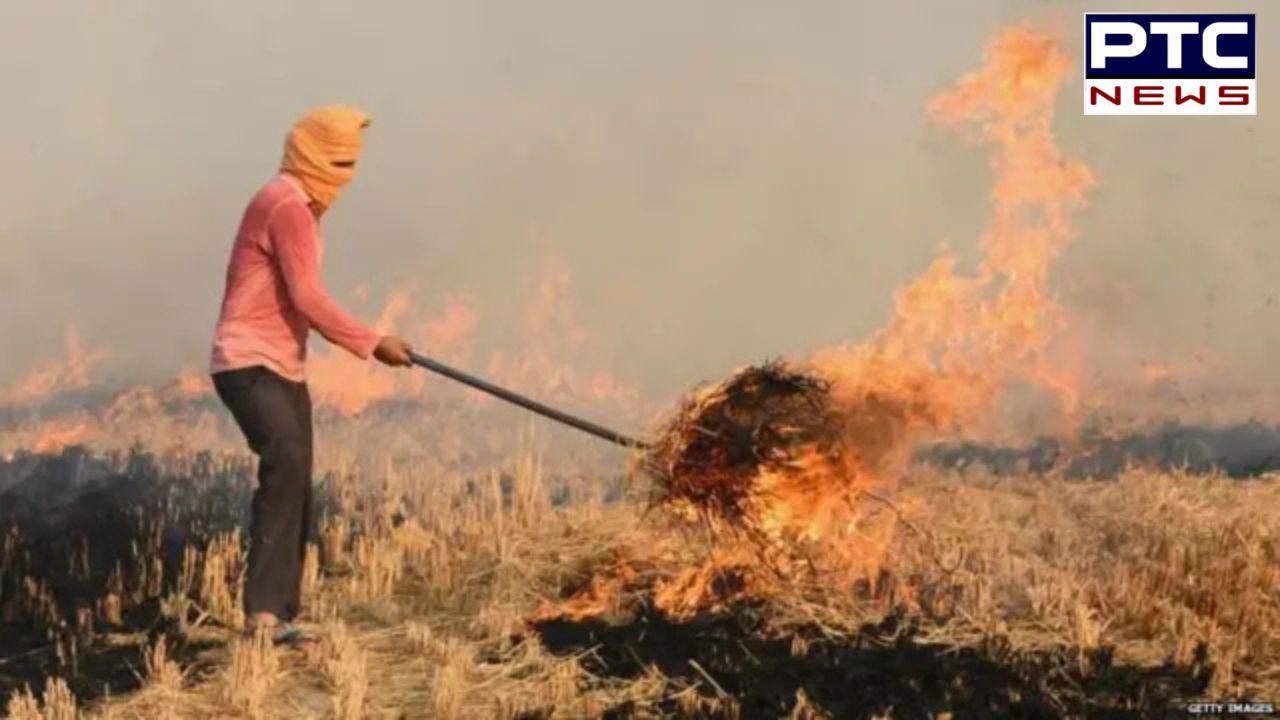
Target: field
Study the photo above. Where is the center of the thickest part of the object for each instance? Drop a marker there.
(435, 594)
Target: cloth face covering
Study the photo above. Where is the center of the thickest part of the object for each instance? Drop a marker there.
(323, 137)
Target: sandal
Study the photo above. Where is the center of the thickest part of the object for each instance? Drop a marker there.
(284, 634)
(291, 635)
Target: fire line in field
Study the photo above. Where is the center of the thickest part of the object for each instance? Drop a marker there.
(63, 402)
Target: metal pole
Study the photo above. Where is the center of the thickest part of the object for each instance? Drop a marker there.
(586, 426)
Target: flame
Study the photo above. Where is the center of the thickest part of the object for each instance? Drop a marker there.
(942, 363)
(1156, 372)
(345, 383)
(177, 413)
(551, 313)
(602, 595)
(954, 341)
(447, 338)
(72, 373)
(192, 384)
(552, 361)
(727, 576)
(55, 435)
(348, 384)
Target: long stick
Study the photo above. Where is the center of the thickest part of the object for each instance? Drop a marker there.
(586, 426)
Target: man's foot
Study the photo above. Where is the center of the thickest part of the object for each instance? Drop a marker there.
(291, 635)
(281, 633)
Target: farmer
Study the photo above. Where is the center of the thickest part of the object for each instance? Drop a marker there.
(274, 296)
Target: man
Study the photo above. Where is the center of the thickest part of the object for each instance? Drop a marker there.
(274, 296)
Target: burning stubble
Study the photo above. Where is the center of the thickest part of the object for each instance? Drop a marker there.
(67, 402)
(781, 463)
(71, 373)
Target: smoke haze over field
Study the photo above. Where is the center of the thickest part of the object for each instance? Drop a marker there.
(724, 181)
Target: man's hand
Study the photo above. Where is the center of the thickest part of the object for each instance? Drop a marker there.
(393, 351)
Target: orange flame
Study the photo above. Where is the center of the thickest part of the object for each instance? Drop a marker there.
(56, 435)
(955, 341)
(602, 595)
(70, 374)
(941, 364)
(192, 384)
(164, 413)
(551, 362)
(447, 338)
(348, 384)
(964, 337)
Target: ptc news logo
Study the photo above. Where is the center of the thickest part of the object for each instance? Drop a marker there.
(1170, 64)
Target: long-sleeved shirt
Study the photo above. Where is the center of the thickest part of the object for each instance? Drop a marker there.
(274, 292)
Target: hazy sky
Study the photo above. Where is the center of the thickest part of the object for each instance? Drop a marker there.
(725, 180)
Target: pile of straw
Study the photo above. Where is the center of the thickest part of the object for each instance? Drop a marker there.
(710, 455)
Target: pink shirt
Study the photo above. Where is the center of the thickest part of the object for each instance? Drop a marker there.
(274, 292)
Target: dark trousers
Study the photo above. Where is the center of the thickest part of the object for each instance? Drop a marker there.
(275, 416)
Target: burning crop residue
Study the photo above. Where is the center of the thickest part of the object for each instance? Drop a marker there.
(552, 358)
(776, 464)
(786, 467)
(68, 374)
(64, 401)
(713, 456)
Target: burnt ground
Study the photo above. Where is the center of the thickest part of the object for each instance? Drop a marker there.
(74, 527)
(101, 665)
(1243, 450)
(881, 669)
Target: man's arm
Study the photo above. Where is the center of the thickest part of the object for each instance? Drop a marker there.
(293, 237)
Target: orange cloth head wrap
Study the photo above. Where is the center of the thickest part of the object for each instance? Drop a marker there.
(323, 137)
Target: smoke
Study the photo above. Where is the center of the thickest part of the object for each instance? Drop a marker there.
(723, 181)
